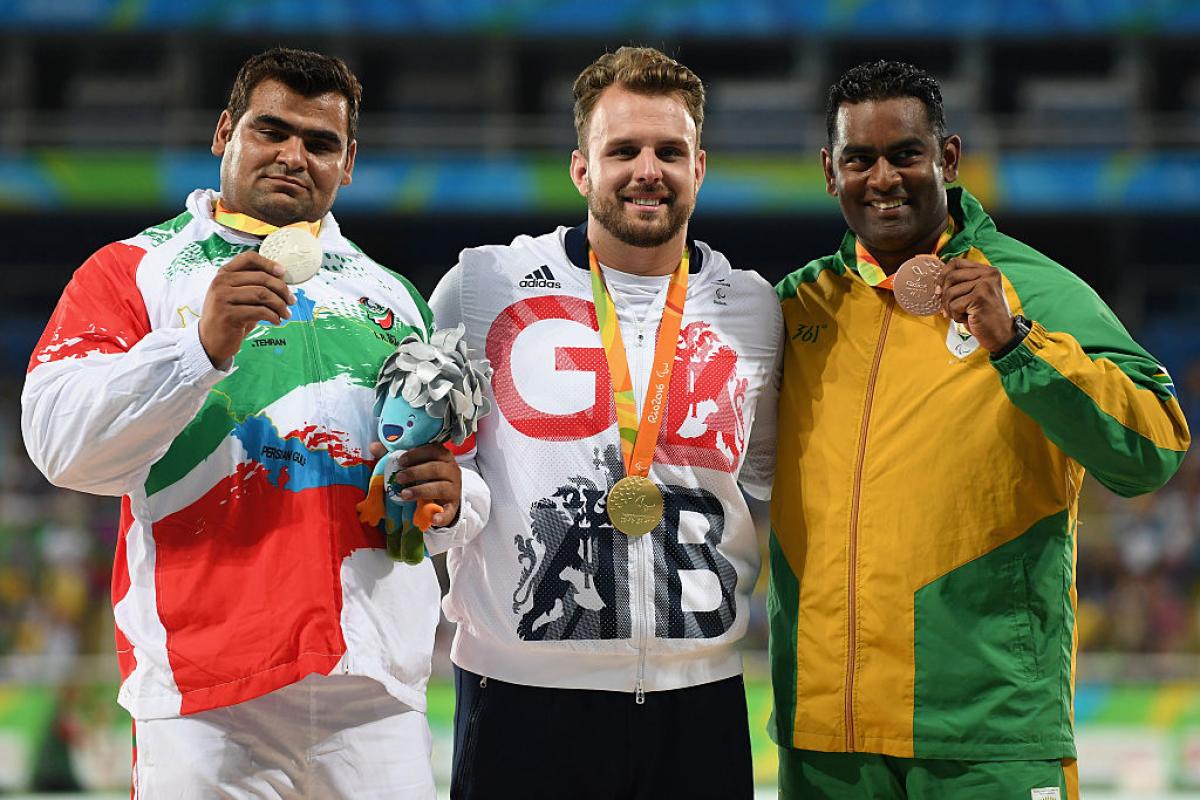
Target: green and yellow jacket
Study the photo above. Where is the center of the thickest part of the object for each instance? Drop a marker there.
(922, 596)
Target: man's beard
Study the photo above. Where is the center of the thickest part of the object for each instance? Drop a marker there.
(610, 213)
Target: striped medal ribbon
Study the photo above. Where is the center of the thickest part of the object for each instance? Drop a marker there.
(635, 503)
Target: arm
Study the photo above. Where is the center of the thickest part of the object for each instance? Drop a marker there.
(446, 304)
(758, 468)
(1109, 409)
(1097, 395)
(105, 395)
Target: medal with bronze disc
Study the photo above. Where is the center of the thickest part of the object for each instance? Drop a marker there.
(635, 503)
(916, 284)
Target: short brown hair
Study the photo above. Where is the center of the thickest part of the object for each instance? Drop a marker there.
(639, 69)
(303, 71)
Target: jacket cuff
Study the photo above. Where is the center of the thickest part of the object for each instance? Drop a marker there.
(195, 366)
(473, 512)
(1024, 353)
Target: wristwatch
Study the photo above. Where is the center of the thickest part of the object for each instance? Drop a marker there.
(1023, 327)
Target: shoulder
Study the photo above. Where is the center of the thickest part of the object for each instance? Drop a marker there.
(522, 250)
(809, 274)
(1028, 269)
(1046, 290)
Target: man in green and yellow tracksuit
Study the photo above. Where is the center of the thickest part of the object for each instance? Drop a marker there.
(922, 599)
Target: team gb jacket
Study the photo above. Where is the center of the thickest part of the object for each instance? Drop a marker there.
(549, 593)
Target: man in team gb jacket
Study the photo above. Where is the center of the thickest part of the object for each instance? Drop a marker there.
(268, 645)
(599, 609)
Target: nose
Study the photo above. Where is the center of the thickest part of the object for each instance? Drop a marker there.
(648, 168)
(883, 176)
(291, 153)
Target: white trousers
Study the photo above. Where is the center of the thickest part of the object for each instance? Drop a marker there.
(324, 737)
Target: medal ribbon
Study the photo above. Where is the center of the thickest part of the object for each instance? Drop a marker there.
(256, 227)
(870, 271)
(638, 440)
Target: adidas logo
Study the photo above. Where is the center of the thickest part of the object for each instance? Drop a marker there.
(540, 278)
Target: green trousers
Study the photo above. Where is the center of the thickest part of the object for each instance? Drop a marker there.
(811, 775)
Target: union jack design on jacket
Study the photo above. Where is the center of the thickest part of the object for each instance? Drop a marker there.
(241, 565)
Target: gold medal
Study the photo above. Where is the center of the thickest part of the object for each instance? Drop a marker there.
(635, 505)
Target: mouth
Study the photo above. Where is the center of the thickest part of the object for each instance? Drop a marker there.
(393, 433)
(890, 204)
(646, 203)
(290, 183)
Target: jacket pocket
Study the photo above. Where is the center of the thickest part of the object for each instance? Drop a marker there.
(1021, 618)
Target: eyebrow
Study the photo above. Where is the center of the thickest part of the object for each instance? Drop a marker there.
(286, 127)
(860, 149)
(672, 142)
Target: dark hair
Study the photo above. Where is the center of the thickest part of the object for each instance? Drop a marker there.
(643, 70)
(303, 71)
(886, 80)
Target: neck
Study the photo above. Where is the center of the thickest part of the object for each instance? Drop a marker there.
(623, 257)
(890, 261)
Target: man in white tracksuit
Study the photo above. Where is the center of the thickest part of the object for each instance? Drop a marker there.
(599, 609)
(268, 646)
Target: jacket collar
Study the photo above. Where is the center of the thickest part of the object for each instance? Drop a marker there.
(576, 244)
(970, 220)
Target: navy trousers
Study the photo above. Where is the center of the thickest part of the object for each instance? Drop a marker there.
(530, 742)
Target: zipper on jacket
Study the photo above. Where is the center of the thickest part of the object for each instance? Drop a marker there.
(852, 571)
(642, 543)
(309, 334)
(639, 688)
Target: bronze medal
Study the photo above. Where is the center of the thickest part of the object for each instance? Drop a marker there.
(635, 505)
(916, 284)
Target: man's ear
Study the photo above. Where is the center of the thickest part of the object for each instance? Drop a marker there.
(827, 166)
(579, 173)
(951, 151)
(222, 134)
(351, 151)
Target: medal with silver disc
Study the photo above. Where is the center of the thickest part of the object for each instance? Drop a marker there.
(916, 283)
(635, 503)
(296, 250)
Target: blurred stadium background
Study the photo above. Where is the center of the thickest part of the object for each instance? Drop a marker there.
(1081, 123)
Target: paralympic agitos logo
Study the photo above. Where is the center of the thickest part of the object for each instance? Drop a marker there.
(552, 383)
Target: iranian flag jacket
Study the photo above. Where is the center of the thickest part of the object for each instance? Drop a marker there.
(241, 566)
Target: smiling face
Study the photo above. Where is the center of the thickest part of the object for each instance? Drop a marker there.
(402, 427)
(889, 174)
(642, 169)
(286, 157)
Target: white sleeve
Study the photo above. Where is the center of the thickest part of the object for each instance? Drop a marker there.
(98, 422)
(106, 394)
(473, 512)
(758, 468)
(446, 300)
(446, 304)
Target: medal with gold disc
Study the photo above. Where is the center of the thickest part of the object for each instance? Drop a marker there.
(635, 503)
